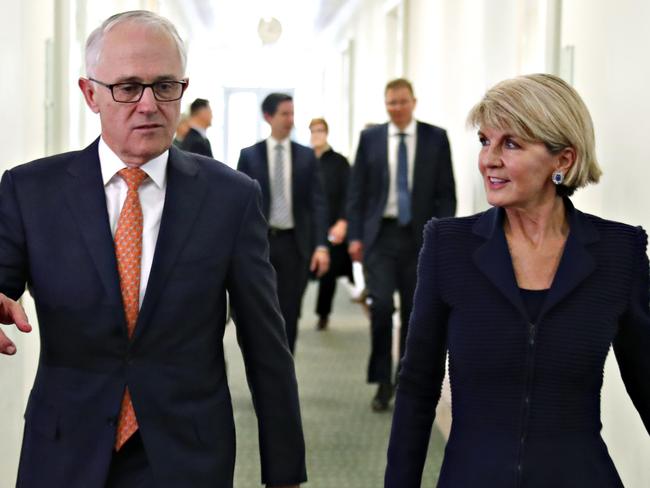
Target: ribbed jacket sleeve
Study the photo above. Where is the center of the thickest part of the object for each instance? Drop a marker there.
(423, 370)
(632, 343)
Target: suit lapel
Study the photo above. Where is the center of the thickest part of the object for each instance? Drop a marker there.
(418, 162)
(494, 261)
(577, 263)
(493, 257)
(185, 193)
(87, 201)
(264, 178)
(296, 174)
(382, 151)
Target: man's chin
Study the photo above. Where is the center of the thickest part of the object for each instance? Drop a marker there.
(146, 153)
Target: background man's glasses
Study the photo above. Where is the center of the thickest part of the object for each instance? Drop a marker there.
(131, 92)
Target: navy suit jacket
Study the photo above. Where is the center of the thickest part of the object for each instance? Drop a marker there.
(526, 395)
(194, 142)
(308, 197)
(55, 237)
(433, 193)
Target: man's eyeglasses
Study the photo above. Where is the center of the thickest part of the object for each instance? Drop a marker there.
(131, 91)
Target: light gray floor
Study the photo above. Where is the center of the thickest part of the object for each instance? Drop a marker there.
(346, 441)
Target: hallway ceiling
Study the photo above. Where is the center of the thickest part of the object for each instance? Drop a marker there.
(228, 22)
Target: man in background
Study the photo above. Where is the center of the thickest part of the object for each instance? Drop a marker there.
(196, 139)
(401, 178)
(294, 205)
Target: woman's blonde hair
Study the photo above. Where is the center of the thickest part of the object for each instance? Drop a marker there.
(543, 108)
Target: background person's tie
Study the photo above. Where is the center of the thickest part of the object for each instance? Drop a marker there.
(128, 250)
(279, 201)
(403, 194)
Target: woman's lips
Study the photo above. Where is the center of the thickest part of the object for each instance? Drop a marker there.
(497, 182)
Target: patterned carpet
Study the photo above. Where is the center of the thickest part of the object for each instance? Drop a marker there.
(346, 441)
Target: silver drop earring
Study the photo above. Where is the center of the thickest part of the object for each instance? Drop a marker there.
(557, 178)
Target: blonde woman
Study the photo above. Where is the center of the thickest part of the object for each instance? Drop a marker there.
(526, 298)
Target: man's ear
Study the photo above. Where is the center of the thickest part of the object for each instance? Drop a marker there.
(88, 89)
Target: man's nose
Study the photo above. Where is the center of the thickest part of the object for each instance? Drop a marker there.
(148, 100)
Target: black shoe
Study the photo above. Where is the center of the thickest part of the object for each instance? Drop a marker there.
(382, 398)
(322, 323)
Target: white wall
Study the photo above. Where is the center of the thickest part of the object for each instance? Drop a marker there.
(25, 27)
(612, 73)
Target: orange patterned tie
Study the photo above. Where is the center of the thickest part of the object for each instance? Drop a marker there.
(128, 250)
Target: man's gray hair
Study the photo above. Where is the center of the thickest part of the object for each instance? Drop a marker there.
(142, 17)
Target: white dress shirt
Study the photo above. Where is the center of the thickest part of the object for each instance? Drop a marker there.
(152, 199)
(271, 154)
(410, 140)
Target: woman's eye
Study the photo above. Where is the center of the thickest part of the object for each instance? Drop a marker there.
(511, 144)
(483, 141)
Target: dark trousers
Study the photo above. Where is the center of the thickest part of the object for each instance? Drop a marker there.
(340, 265)
(326, 290)
(130, 467)
(390, 265)
(292, 273)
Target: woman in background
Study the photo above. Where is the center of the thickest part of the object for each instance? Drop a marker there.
(526, 298)
(335, 171)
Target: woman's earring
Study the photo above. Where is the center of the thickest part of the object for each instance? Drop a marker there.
(557, 178)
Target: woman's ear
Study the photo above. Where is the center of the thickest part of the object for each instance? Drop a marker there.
(565, 160)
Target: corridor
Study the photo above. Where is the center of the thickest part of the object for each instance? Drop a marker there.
(346, 441)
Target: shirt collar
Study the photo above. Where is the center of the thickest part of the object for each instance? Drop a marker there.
(110, 164)
(409, 130)
(272, 141)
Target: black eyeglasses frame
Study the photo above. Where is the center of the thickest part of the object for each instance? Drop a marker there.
(143, 86)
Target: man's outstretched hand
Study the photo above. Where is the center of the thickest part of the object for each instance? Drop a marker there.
(11, 312)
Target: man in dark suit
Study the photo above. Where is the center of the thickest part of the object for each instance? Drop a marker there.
(196, 140)
(128, 248)
(401, 178)
(294, 205)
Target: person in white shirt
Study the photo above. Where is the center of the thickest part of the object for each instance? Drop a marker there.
(294, 205)
(401, 178)
(130, 248)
